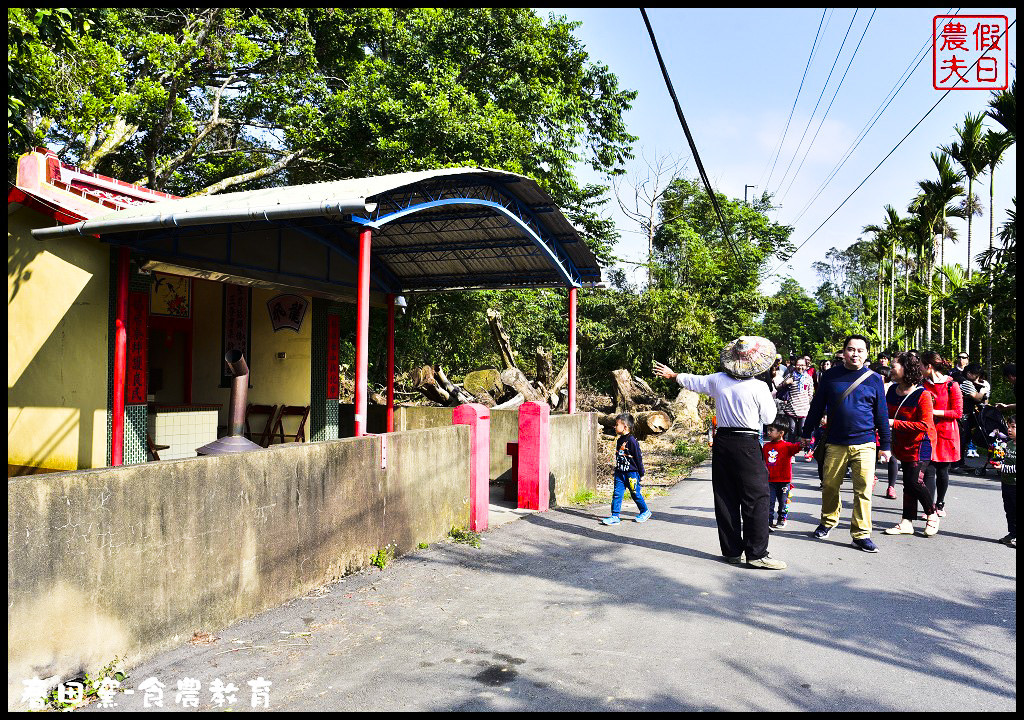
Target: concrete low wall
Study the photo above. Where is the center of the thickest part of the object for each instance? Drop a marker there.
(129, 561)
(573, 453)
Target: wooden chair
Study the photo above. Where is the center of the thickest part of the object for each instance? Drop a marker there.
(291, 411)
(264, 437)
(153, 448)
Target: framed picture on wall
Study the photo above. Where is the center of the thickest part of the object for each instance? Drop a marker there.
(170, 296)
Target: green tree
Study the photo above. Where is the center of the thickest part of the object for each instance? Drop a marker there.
(206, 100)
(994, 146)
(968, 152)
(933, 206)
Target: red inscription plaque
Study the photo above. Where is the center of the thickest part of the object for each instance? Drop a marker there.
(135, 380)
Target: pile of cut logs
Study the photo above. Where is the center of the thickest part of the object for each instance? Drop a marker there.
(509, 387)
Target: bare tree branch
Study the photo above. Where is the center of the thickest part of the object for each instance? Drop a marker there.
(248, 177)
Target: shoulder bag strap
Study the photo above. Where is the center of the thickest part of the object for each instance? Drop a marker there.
(905, 398)
(853, 386)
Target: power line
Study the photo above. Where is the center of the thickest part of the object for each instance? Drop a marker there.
(689, 137)
(778, 150)
(820, 96)
(916, 125)
(827, 110)
(901, 81)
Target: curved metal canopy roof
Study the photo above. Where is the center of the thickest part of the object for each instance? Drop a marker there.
(432, 230)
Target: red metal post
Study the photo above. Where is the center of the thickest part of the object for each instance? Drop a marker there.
(120, 358)
(478, 418)
(391, 363)
(362, 331)
(572, 350)
(534, 461)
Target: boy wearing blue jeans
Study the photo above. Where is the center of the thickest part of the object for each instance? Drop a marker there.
(629, 468)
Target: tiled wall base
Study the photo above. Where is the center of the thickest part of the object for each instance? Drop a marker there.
(183, 431)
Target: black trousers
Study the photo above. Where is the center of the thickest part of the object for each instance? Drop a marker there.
(918, 488)
(939, 474)
(739, 480)
(1010, 506)
(796, 426)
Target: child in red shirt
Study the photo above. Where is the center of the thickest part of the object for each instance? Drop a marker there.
(778, 456)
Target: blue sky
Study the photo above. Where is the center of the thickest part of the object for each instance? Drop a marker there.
(736, 74)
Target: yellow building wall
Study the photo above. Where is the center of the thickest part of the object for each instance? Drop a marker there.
(57, 330)
(272, 381)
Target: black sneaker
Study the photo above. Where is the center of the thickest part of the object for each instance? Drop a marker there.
(865, 544)
(821, 532)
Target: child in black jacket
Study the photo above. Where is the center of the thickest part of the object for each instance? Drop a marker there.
(629, 468)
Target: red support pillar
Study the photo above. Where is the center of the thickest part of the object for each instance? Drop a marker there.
(572, 350)
(478, 418)
(362, 332)
(120, 358)
(391, 363)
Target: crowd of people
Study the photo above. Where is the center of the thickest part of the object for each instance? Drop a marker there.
(911, 412)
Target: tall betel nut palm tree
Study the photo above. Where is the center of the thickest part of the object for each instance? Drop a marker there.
(934, 202)
(968, 152)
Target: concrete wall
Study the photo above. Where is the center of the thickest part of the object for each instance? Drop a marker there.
(133, 560)
(573, 442)
(57, 316)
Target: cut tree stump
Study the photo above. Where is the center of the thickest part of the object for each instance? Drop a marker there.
(544, 365)
(484, 382)
(501, 339)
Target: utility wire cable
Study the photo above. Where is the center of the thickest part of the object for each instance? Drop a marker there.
(909, 133)
(829, 108)
(901, 81)
(778, 150)
(820, 96)
(689, 137)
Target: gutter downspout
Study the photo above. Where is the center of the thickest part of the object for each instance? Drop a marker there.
(183, 218)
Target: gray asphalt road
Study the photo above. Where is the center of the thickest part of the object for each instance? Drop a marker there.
(557, 612)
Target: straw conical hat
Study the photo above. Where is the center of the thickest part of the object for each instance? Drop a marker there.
(748, 355)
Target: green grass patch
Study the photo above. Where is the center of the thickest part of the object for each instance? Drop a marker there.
(691, 453)
(383, 556)
(83, 691)
(586, 496)
(459, 535)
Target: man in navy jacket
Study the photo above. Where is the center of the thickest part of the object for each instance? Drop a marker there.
(853, 422)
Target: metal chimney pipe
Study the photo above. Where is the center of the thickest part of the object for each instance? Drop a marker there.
(236, 365)
(235, 442)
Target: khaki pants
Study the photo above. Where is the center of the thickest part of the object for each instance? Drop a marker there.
(861, 461)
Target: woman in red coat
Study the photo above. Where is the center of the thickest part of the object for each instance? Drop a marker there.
(948, 408)
(913, 437)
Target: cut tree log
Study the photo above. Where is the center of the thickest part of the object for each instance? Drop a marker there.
(654, 422)
(544, 363)
(501, 339)
(515, 402)
(514, 378)
(623, 391)
(632, 391)
(424, 380)
(456, 395)
(560, 382)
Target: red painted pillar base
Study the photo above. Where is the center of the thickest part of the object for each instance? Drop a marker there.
(478, 418)
(534, 462)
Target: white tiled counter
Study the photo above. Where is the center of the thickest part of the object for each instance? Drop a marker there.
(183, 427)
